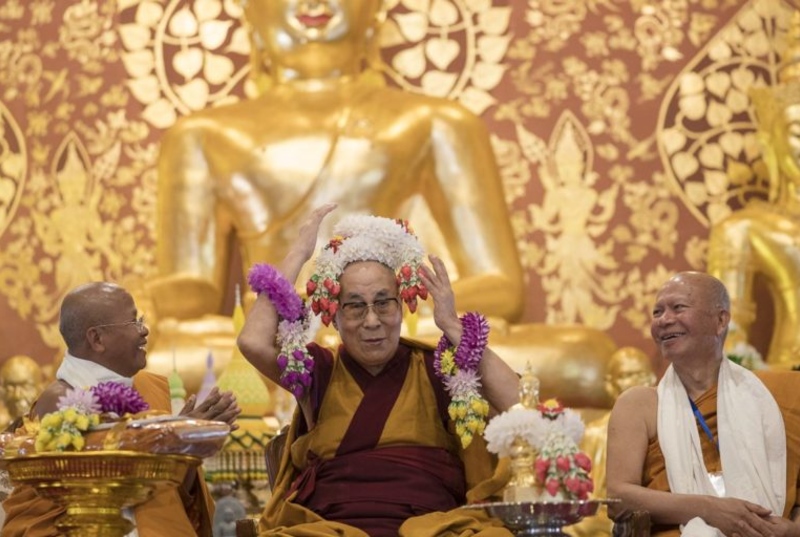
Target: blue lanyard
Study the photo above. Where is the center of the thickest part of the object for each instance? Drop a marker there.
(701, 420)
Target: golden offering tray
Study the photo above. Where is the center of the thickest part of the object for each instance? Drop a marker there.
(95, 486)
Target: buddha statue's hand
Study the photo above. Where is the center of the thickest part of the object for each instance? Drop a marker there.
(437, 282)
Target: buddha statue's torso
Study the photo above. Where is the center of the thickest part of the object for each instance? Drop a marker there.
(283, 154)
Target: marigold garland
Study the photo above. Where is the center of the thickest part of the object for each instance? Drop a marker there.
(458, 368)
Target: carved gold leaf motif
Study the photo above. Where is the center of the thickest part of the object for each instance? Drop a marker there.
(13, 166)
(715, 118)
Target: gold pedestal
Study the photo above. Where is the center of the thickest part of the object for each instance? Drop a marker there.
(96, 486)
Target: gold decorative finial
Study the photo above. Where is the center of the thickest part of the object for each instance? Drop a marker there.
(529, 388)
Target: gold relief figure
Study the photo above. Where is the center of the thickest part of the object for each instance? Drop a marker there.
(628, 367)
(574, 214)
(72, 232)
(21, 380)
(761, 239)
(12, 166)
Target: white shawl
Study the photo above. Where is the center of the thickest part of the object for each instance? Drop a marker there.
(84, 374)
(750, 434)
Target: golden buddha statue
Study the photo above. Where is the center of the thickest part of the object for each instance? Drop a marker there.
(20, 383)
(243, 176)
(760, 240)
(628, 367)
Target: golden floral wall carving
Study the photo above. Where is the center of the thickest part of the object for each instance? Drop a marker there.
(621, 128)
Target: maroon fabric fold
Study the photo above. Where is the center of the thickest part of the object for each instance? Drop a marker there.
(380, 393)
(377, 490)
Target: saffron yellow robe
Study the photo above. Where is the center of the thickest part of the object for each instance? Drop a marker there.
(29, 515)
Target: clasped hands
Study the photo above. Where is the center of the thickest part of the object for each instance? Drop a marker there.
(218, 406)
(740, 518)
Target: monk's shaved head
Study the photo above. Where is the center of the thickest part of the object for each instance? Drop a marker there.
(712, 289)
(89, 305)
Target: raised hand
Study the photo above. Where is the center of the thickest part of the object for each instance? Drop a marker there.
(306, 240)
(445, 315)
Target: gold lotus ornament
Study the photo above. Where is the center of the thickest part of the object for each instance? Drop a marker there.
(95, 486)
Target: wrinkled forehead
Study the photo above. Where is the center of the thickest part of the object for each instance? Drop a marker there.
(679, 288)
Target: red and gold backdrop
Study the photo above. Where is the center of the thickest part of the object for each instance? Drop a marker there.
(623, 129)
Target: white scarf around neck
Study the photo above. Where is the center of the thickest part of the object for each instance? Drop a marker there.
(84, 374)
(750, 435)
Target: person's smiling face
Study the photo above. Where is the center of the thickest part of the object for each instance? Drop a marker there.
(687, 321)
(372, 340)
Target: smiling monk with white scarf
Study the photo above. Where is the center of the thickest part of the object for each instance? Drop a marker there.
(715, 449)
(106, 342)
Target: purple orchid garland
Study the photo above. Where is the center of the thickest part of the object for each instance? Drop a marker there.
(458, 369)
(467, 356)
(295, 362)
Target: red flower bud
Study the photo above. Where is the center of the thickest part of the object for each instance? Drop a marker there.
(423, 292)
(563, 463)
(541, 466)
(552, 486)
(315, 306)
(333, 308)
(328, 283)
(583, 461)
(405, 270)
(573, 484)
(326, 319)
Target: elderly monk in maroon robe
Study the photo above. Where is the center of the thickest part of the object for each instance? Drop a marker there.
(106, 342)
(374, 447)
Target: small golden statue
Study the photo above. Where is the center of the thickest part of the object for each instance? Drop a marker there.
(522, 487)
(20, 383)
(761, 238)
(628, 367)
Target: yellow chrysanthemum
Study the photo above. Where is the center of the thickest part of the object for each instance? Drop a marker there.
(70, 415)
(448, 363)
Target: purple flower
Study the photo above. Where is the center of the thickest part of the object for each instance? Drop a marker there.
(83, 401)
(283, 360)
(473, 341)
(267, 279)
(118, 398)
(444, 344)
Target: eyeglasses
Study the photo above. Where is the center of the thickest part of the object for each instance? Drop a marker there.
(384, 307)
(138, 322)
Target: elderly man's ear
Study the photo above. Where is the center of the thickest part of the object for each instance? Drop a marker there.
(94, 340)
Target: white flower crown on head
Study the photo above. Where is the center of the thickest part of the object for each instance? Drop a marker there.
(366, 238)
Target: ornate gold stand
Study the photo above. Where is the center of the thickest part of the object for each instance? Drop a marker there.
(95, 486)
